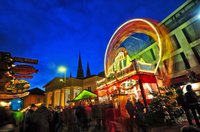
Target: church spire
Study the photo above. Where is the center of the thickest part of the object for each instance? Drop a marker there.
(70, 75)
(80, 74)
(88, 74)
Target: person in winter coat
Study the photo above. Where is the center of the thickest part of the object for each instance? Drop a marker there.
(6, 121)
(130, 108)
(140, 117)
(192, 101)
(41, 119)
(181, 100)
(28, 125)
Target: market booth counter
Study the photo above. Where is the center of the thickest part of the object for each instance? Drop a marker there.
(135, 82)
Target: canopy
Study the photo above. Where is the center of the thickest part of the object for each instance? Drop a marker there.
(85, 94)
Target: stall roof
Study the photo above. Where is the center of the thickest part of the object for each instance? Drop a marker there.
(85, 94)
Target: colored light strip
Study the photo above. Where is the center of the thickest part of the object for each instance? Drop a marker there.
(121, 27)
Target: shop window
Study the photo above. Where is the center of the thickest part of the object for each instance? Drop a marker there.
(192, 31)
(196, 51)
(176, 44)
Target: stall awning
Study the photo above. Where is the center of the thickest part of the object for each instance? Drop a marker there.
(84, 95)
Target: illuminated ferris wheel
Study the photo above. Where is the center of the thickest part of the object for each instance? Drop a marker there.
(149, 27)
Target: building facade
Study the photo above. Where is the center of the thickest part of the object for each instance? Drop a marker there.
(184, 29)
(58, 91)
(35, 96)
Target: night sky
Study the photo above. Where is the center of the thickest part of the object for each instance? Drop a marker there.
(55, 31)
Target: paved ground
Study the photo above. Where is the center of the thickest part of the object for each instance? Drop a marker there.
(120, 128)
(174, 128)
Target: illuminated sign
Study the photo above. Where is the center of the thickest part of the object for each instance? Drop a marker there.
(128, 84)
(17, 84)
(11, 96)
(24, 69)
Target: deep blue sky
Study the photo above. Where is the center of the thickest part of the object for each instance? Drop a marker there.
(54, 31)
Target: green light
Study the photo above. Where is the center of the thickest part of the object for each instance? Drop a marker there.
(85, 95)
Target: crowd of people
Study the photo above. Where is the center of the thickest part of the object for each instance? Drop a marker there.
(74, 118)
(80, 116)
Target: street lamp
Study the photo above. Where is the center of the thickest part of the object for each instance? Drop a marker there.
(62, 69)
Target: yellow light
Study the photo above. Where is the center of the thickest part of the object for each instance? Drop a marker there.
(2, 103)
(102, 80)
(62, 69)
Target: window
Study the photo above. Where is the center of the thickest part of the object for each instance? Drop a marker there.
(152, 53)
(156, 51)
(192, 31)
(196, 51)
(178, 63)
(176, 44)
(169, 21)
(124, 61)
(148, 56)
(120, 65)
(187, 65)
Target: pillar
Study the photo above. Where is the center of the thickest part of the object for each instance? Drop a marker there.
(142, 92)
(71, 93)
(62, 98)
(52, 98)
(46, 99)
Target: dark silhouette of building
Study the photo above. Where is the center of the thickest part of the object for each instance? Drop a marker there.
(70, 75)
(88, 74)
(80, 74)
